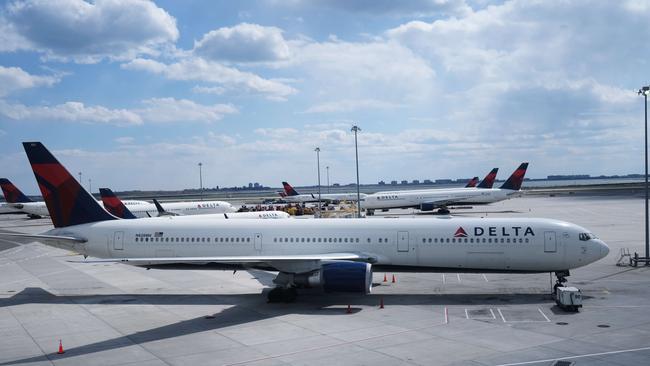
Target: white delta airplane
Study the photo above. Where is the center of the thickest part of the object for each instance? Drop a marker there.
(291, 195)
(335, 254)
(36, 209)
(114, 205)
(430, 199)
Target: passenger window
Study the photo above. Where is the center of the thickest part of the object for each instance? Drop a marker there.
(357, 240)
(424, 240)
(448, 240)
(501, 240)
(368, 240)
(526, 240)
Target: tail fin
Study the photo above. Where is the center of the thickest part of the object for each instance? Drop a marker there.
(161, 210)
(488, 181)
(282, 194)
(517, 177)
(67, 202)
(472, 182)
(114, 205)
(288, 189)
(12, 193)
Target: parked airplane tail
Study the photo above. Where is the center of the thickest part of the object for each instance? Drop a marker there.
(67, 202)
(12, 193)
(288, 189)
(282, 194)
(488, 181)
(114, 205)
(517, 177)
(472, 182)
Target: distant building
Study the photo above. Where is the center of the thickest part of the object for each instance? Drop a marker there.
(444, 181)
(381, 183)
(336, 185)
(256, 185)
(393, 182)
(428, 181)
(405, 182)
(416, 181)
(568, 177)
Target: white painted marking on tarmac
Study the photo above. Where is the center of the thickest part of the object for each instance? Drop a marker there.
(485, 278)
(578, 356)
(466, 313)
(458, 275)
(502, 317)
(446, 315)
(544, 315)
(443, 279)
(492, 312)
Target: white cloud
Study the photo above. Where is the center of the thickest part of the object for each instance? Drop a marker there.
(387, 7)
(125, 140)
(156, 110)
(69, 112)
(87, 32)
(217, 90)
(15, 78)
(198, 69)
(349, 105)
(162, 110)
(243, 43)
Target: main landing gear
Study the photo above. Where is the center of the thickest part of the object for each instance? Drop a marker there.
(282, 294)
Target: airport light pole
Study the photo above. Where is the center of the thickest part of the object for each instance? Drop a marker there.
(645, 91)
(317, 149)
(356, 129)
(201, 179)
(327, 168)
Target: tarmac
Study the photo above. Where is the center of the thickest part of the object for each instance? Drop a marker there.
(115, 314)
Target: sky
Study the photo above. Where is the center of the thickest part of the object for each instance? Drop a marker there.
(134, 93)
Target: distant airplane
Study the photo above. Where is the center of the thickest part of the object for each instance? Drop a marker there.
(291, 195)
(335, 254)
(431, 199)
(112, 204)
(36, 209)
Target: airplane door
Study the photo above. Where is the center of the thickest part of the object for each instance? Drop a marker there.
(402, 241)
(258, 242)
(118, 240)
(550, 243)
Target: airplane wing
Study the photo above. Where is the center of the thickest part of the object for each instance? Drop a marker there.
(240, 259)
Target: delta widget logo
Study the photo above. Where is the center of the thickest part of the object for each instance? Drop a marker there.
(460, 233)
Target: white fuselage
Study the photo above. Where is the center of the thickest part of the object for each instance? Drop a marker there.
(324, 197)
(503, 245)
(406, 199)
(183, 208)
(39, 208)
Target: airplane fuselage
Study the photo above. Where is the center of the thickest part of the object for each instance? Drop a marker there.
(437, 197)
(448, 244)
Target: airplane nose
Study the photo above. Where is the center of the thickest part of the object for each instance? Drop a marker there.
(604, 249)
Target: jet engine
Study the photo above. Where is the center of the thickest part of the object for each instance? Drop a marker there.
(427, 207)
(341, 276)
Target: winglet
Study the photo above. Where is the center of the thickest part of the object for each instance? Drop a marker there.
(66, 200)
(472, 182)
(288, 189)
(488, 181)
(12, 193)
(516, 179)
(114, 205)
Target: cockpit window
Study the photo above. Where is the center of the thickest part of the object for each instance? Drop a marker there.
(586, 236)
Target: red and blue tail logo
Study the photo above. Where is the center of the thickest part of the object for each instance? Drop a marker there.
(460, 233)
(114, 205)
(67, 202)
(516, 179)
(472, 182)
(12, 193)
(288, 189)
(489, 179)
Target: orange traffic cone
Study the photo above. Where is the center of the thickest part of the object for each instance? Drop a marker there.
(381, 302)
(385, 279)
(349, 310)
(394, 279)
(61, 351)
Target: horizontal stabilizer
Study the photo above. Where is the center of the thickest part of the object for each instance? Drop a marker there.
(58, 241)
